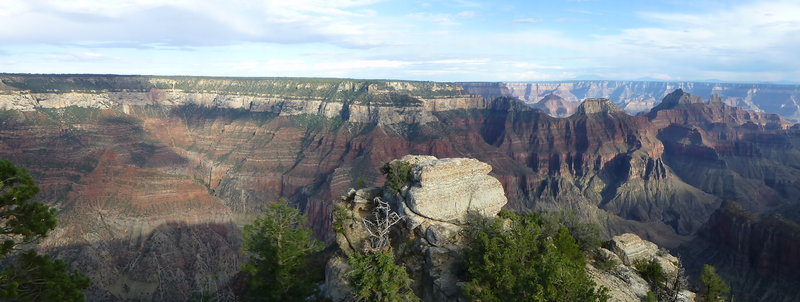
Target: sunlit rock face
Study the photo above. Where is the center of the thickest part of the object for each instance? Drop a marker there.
(447, 189)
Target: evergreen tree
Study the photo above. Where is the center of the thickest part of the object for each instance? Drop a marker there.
(35, 277)
(525, 261)
(30, 277)
(714, 288)
(21, 221)
(376, 277)
(281, 247)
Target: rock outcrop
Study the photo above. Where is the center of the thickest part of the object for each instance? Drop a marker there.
(623, 280)
(446, 190)
(432, 237)
(436, 203)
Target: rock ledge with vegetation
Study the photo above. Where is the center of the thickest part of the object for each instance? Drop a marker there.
(432, 205)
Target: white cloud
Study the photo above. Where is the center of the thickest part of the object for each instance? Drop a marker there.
(355, 38)
(466, 14)
(737, 42)
(188, 22)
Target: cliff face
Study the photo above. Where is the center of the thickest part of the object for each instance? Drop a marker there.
(382, 102)
(729, 152)
(757, 255)
(140, 161)
(636, 96)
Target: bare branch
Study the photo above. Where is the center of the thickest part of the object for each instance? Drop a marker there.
(381, 226)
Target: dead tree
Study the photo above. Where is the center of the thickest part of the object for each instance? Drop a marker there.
(380, 227)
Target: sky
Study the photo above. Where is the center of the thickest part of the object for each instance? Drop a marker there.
(460, 40)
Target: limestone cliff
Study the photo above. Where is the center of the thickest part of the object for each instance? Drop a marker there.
(361, 101)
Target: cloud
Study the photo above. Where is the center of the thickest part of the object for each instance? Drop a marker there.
(740, 40)
(357, 38)
(185, 23)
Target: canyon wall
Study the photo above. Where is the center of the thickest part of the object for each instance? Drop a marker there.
(144, 170)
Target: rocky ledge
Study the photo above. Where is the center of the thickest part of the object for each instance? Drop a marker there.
(622, 279)
(438, 200)
(435, 204)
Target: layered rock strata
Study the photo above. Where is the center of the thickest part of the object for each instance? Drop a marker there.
(193, 150)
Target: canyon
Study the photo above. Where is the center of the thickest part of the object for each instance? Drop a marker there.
(154, 176)
(640, 96)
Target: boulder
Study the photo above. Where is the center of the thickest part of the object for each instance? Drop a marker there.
(630, 248)
(447, 189)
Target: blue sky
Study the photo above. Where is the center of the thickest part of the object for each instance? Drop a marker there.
(463, 40)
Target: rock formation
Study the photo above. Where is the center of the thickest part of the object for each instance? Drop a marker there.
(623, 280)
(435, 204)
(556, 106)
(431, 233)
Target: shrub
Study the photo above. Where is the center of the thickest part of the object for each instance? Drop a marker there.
(376, 277)
(520, 262)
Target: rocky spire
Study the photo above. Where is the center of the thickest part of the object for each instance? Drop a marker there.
(594, 106)
(675, 98)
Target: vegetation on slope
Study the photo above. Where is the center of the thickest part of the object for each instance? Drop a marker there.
(281, 249)
(524, 258)
(30, 276)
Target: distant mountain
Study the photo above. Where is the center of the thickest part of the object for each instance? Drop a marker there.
(640, 96)
(556, 106)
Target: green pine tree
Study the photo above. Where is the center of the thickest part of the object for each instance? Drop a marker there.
(281, 249)
(376, 277)
(714, 288)
(30, 277)
(526, 259)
